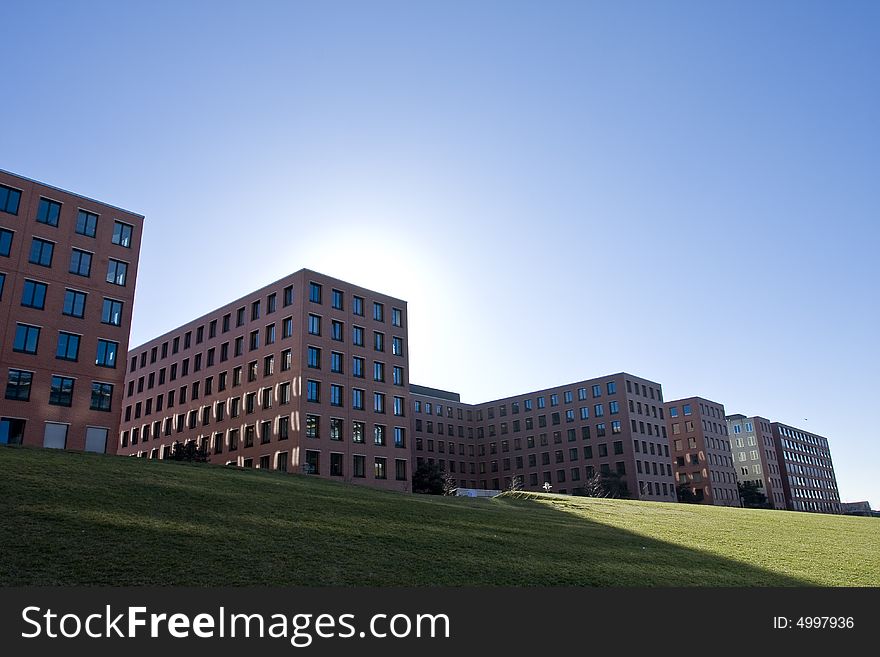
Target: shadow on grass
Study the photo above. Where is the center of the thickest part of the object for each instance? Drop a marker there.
(114, 521)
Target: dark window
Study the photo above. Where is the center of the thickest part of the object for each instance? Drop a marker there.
(74, 303)
(106, 355)
(33, 295)
(314, 293)
(68, 346)
(9, 199)
(122, 234)
(80, 262)
(61, 391)
(86, 223)
(48, 212)
(41, 252)
(5, 241)
(111, 313)
(27, 338)
(102, 393)
(117, 272)
(18, 385)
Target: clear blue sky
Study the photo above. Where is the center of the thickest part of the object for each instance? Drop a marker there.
(689, 191)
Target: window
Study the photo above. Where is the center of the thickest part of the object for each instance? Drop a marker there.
(86, 223)
(2, 284)
(314, 325)
(379, 402)
(313, 391)
(335, 428)
(611, 386)
(313, 357)
(378, 341)
(397, 376)
(286, 327)
(111, 313)
(9, 199)
(396, 317)
(400, 469)
(312, 426)
(336, 392)
(102, 394)
(378, 312)
(48, 212)
(41, 252)
(686, 409)
(380, 465)
(357, 306)
(357, 336)
(106, 356)
(5, 241)
(379, 435)
(357, 399)
(27, 339)
(378, 371)
(314, 292)
(359, 466)
(337, 299)
(61, 391)
(255, 310)
(335, 464)
(397, 346)
(399, 407)
(34, 295)
(357, 432)
(399, 437)
(336, 362)
(270, 334)
(357, 367)
(122, 234)
(74, 303)
(117, 272)
(18, 385)
(68, 346)
(336, 330)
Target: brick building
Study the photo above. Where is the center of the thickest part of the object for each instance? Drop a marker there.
(754, 456)
(701, 457)
(562, 436)
(308, 374)
(68, 266)
(808, 478)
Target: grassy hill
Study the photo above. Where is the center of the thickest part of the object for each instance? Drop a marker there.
(69, 518)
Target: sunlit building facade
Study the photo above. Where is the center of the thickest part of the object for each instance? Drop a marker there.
(68, 266)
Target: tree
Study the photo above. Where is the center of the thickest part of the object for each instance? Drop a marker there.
(604, 484)
(188, 451)
(751, 496)
(516, 483)
(429, 479)
(449, 484)
(686, 494)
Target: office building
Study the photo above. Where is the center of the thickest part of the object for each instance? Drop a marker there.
(807, 470)
(700, 445)
(611, 426)
(308, 374)
(754, 456)
(68, 266)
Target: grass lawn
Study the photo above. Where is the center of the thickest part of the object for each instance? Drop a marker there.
(70, 518)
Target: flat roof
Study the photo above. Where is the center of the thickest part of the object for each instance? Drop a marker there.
(67, 191)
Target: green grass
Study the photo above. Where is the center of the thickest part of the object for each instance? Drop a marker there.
(69, 518)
